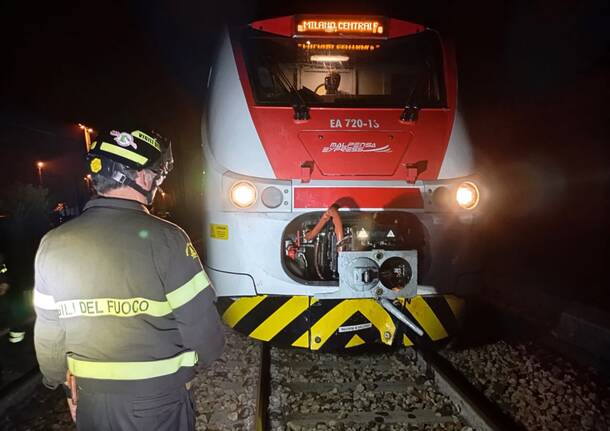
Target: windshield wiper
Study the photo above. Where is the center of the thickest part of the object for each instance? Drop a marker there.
(411, 110)
(301, 110)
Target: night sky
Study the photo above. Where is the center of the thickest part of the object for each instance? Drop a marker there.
(533, 79)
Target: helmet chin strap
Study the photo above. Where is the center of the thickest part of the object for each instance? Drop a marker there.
(148, 194)
(120, 177)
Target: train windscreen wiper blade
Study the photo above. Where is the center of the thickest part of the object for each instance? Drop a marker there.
(411, 110)
(301, 110)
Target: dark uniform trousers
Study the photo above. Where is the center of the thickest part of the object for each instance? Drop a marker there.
(168, 411)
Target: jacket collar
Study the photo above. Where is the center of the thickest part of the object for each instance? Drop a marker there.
(103, 202)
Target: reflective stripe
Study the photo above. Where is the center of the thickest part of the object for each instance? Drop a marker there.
(120, 307)
(124, 307)
(127, 307)
(146, 138)
(188, 291)
(3, 268)
(123, 152)
(16, 338)
(45, 302)
(130, 370)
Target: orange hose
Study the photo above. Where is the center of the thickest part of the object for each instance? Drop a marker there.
(330, 213)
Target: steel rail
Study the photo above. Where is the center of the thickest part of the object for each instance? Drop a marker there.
(476, 408)
(263, 390)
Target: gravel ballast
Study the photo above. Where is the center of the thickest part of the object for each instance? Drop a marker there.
(386, 391)
(539, 389)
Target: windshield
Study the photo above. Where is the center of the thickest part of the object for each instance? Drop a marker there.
(343, 72)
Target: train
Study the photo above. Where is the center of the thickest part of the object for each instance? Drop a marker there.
(339, 186)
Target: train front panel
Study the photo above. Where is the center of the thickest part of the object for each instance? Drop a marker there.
(339, 188)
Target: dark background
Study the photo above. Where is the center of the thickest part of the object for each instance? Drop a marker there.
(533, 85)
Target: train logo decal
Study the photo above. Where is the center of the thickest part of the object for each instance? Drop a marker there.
(356, 147)
(124, 139)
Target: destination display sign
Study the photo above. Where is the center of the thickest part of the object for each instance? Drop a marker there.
(338, 46)
(361, 26)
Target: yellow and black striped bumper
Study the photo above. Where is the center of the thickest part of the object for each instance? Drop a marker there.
(336, 324)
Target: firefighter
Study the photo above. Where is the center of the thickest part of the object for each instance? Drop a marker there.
(124, 308)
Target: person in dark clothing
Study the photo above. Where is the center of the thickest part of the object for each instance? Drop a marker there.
(4, 305)
(124, 308)
(11, 309)
(4, 288)
(11, 321)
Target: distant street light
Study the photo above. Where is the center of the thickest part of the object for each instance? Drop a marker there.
(39, 165)
(87, 131)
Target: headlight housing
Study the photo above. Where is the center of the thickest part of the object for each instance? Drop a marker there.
(467, 195)
(243, 194)
(272, 197)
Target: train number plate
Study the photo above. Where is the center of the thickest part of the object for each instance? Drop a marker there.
(352, 328)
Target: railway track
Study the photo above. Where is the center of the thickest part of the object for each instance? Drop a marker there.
(392, 390)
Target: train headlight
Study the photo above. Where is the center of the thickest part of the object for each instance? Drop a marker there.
(243, 194)
(467, 195)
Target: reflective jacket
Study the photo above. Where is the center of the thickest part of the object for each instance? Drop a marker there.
(122, 301)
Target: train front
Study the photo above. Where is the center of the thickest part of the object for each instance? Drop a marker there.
(339, 190)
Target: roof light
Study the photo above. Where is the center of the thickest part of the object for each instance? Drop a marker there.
(329, 58)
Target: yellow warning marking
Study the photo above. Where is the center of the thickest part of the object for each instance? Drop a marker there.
(324, 328)
(406, 341)
(303, 341)
(280, 318)
(377, 315)
(456, 304)
(219, 231)
(328, 324)
(240, 308)
(424, 315)
(355, 341)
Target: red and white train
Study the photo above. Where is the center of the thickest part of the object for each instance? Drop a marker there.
(340, 191)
